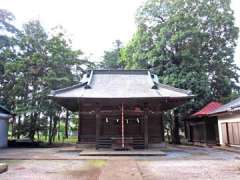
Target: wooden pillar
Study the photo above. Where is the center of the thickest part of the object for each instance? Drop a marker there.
(227, 134)
(79, 126)
(79, 122)
(98, 124)
(162, 127)
(205, 126)
(146, 138)
(122, 123)
(176, 136)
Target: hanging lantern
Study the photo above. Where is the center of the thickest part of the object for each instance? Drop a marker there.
(127, 121)
(117, 120)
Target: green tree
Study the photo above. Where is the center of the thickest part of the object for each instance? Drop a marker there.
(7, 51)
(189, 44)
(43, 62)
(111, 58)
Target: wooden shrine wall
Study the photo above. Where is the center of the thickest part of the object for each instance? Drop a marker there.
(111, 127)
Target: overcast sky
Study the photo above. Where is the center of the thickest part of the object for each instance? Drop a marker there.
(92, 24)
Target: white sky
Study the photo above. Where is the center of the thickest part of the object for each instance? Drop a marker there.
(91, 24)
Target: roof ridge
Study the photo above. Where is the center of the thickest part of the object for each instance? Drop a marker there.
(112, 71)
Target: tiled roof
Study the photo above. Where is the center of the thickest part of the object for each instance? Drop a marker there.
(229, 107)
(206, 110)
(120, 84)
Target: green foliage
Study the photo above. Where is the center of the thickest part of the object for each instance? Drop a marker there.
(189, 44)
(7, 31)
(111, 58)
(39, 62)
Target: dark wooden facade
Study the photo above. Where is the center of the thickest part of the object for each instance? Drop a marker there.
(202, 130)
(120, 108)
(98, 122)
(201, 127)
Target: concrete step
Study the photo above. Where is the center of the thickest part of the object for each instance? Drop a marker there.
(122, 153)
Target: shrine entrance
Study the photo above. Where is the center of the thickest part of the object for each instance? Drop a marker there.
(120, 107)
(122, 129)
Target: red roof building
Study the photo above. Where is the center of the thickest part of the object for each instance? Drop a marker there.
(202, 127)
(206, 110)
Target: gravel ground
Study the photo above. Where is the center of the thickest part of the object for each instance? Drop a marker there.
(48, 170)
(181, 162)
(190, 169)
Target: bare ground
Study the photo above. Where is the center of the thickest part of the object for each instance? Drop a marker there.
(181, 162)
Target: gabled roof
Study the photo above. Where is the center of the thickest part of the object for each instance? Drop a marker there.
(229, 107)
(120, 84)
(206, 110)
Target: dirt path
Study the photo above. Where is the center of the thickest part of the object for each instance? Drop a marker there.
(182, 162)
(190, 169)
(120, 170)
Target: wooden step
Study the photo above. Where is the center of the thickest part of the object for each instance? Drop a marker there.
(138, 143)
(103, 143)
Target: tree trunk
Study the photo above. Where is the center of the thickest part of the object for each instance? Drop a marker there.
(50, 130)
(176, 136)
(59, 129)
(13, 124)
(33, 126)
(54, 130)
(38, 135)
(19, 127)
(66, 124)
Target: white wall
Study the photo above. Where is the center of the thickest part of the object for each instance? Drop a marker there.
(234, 117)
(3, 130)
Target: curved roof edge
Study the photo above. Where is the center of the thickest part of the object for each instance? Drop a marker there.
(87, 79)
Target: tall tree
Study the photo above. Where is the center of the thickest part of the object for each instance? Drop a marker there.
(189, 44)
(43, 62)
(7, 43)
(111, 58)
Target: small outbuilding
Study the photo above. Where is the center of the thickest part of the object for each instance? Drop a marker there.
(203, 128)
(229, 123)
(4, 116)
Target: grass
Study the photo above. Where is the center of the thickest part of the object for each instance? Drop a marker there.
(69, 140)
(97, 163)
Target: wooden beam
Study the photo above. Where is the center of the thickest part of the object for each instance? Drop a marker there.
(117, 112)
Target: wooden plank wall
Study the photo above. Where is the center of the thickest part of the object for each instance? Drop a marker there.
(88, 133)
(231, 133)
(112, 128)
(155, 128)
